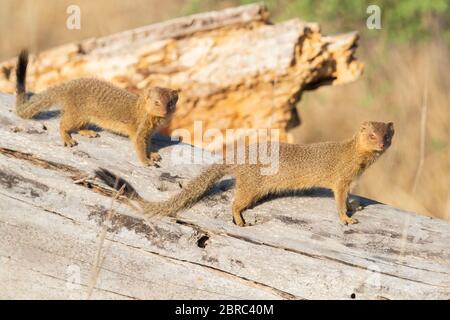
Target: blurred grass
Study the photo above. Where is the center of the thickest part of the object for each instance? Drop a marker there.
(413, 46)
(41, 24)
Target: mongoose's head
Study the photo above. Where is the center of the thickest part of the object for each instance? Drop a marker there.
(160, 102)
(375, 136)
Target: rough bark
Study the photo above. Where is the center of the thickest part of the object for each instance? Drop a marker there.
(59, 237)
(235, 68)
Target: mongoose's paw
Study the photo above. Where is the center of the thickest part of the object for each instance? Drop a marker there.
(240, 222)
(154, 156)
(89, 133)
(152, 160)
(347, 220)
(148, 162)
(70, 143)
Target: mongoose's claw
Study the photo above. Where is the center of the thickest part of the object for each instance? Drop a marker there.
(150, 162)
(352, 221)
(239, 222)
(347, 220)
(70, 143)
(154, 156)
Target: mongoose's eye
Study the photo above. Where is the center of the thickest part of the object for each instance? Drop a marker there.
(372, 136)
(157, 103)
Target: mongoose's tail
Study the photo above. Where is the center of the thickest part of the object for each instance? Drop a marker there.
(21, 74)
(27, 108)
(186, 198)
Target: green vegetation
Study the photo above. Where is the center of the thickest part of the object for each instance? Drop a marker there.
(439, 144)
(401, 20)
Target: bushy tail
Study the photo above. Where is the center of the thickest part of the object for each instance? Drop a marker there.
(186, 198)
(21, 75)
(28, 108)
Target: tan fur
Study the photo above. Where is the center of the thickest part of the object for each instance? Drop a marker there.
(332, 165)
(91, 101)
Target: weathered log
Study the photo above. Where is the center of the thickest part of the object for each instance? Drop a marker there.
(59, 238)
(235, 69)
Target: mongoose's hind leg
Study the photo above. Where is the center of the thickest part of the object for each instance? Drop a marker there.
(340, 195)
(65, 127)
(237, 213)
(88, 133)
(243, 198)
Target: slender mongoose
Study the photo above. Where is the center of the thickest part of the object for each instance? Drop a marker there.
(332, 165)
(91, 101)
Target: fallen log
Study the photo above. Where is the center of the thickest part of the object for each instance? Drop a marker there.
(235, 68)
(63, 235)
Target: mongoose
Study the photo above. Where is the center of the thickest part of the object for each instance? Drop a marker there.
(91, 101)
(332, 165)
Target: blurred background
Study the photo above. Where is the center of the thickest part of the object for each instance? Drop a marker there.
(406, 77)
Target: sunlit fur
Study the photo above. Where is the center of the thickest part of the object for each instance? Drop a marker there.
(333, 165)
(91, 101)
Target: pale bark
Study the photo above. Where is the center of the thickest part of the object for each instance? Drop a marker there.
(54, 217)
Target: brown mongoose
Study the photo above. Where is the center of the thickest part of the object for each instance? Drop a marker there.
(91, 101)
(332, 165)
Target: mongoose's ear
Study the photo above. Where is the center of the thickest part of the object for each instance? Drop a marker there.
(390, 127)
(149, 94)
(175, 94)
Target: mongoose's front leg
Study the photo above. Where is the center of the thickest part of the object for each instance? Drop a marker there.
(64, 129)
(341, 195)
(141, 142)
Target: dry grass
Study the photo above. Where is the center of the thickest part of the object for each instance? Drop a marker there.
(39, 25)
(393, 88)
(102, 251)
